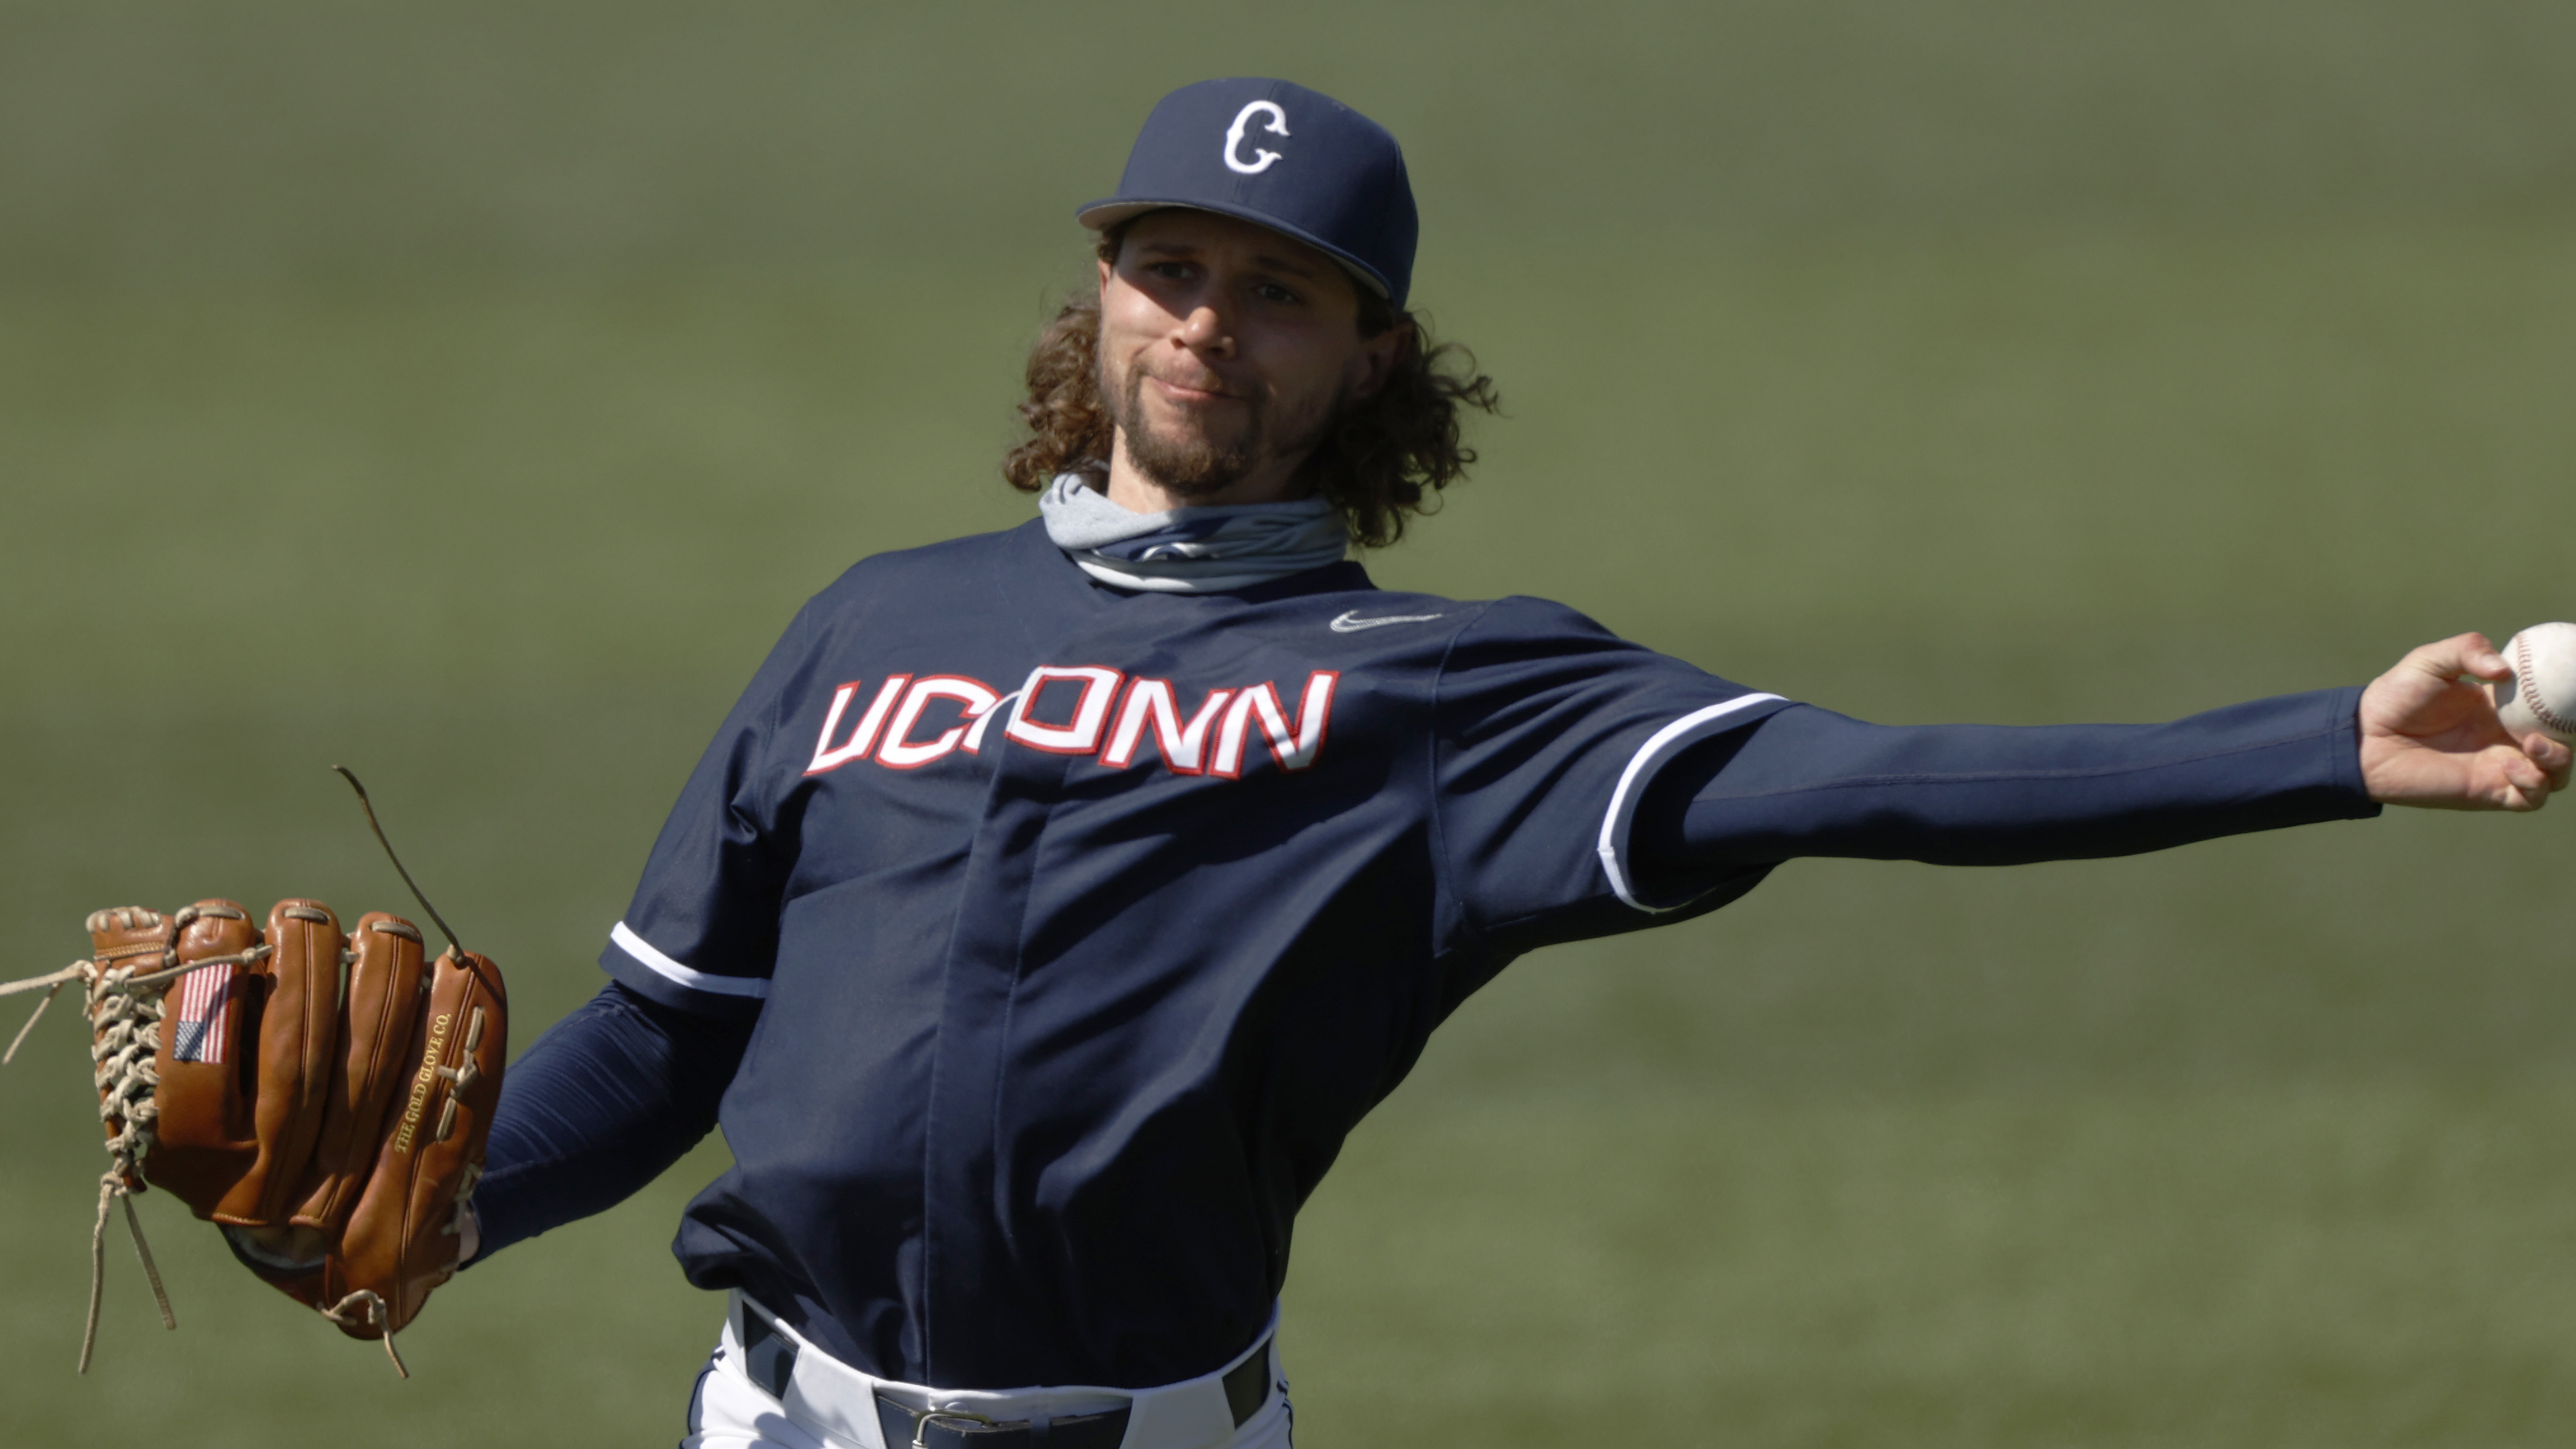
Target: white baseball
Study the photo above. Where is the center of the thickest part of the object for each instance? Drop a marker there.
(2541, 696)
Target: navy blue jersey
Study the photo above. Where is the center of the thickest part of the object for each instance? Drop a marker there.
(1081, 926)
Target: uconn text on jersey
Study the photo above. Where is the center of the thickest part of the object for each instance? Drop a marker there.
(1076, 709)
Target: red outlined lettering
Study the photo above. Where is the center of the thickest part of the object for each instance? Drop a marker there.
(1081, 735)
(1213, 739)
(1149, 702)
(863, 737)
(1294, 746)
(899, 752)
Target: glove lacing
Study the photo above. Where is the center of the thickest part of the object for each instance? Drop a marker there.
(125, 1035)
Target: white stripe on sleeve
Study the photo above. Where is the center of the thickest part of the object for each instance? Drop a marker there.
(661, 965)
(1662, 745)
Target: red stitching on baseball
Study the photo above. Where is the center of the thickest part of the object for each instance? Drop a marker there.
(2531, 699)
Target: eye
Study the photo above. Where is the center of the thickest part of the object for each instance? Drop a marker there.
(1276, 294)
(1170, 271)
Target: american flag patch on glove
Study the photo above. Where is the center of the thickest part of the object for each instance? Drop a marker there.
(197, 1035)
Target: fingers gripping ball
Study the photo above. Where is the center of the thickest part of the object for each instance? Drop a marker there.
(322, 1096)
(2541, 696)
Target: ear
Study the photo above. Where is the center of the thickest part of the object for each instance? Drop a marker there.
(1380, 356)
(1104, 278)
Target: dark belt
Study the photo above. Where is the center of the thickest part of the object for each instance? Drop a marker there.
(945, 1429)
(770, 1357)
(1247, 1388)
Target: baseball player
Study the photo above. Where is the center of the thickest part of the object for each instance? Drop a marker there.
(1054, 902)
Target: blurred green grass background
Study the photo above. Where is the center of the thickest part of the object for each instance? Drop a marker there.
(467, 393)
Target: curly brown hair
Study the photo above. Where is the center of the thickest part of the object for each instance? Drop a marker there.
(1384, 460)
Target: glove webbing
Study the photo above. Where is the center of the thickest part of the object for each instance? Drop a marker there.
(125, 1024)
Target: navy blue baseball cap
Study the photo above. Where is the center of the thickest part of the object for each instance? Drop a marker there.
(1277, 154)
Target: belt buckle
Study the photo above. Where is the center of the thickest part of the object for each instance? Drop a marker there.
(921, 1423)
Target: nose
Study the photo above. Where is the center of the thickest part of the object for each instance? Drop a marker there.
(1206, 330)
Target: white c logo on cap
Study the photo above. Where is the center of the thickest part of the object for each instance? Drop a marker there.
(1261, 159)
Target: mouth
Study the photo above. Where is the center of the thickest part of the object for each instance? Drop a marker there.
(1185, 393)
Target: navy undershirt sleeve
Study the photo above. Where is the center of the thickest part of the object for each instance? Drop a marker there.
(1809, 782)
(607, 1099)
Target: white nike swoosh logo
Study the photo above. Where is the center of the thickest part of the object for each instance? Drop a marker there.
(1350, 621)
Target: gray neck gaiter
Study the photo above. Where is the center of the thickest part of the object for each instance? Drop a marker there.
(1190, 550)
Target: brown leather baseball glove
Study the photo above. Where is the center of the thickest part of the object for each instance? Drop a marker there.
(321, 1096)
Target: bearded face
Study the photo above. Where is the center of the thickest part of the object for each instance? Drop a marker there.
(1200, 453)
(1227, 353)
